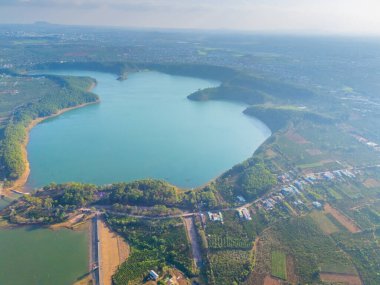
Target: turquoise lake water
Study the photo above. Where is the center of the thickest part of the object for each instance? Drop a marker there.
(144, 127)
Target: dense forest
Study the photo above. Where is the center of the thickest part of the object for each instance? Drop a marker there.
(251, 89)
(277, 117)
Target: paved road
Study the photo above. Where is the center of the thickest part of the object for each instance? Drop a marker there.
(94, 260)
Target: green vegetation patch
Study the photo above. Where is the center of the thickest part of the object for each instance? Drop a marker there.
(230, 267)
(277, 117)
(253, 90)
(249, 179)
(324, 222)
(154, 243)
(52, 205)
(278, 264)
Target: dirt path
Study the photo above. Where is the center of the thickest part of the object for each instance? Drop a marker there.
(71, 222)
(194, 241)
(113, 251)
(341, 218)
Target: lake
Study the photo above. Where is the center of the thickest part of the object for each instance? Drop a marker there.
(144, 127)
(37, 256)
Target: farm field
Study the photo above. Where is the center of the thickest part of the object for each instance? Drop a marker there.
(312, 249)
(278, 264)
(349, 279)
(345, 221)
(324, 222)
(365, 252)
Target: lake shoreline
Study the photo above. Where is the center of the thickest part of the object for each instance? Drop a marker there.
(20, 182)
(188, 181)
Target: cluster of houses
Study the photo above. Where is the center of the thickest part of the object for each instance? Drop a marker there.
(367, 142)
(9, 91)
(289, 190)
(294, 188)
(6, 65)
(289, 194)
(284, 178)
(269, 203)
(328, 176)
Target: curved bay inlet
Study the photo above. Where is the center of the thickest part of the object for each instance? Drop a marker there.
(144, 127)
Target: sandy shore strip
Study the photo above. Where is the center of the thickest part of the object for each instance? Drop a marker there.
(21, 181)
(114, 251)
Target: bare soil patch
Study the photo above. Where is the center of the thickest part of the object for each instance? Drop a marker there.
(193, 239)
(270, 153)
(349, 279)
(71, 223)
(269, 280)
(371, 183)
(114, 251)
(341, 218)
(294, 137)
(290, 272)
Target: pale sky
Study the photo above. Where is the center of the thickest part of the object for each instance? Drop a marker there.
(300, 16)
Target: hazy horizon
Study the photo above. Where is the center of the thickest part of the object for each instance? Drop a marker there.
(273, 16)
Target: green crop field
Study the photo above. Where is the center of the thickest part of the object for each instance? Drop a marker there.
(324, 222)
(278, 264)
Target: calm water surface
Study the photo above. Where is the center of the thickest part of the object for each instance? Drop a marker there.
(143, 127)
(36, 256)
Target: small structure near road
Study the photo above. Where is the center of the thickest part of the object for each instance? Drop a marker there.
(241, 199)
(215, 217)
(153, 275)
(244, 213)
